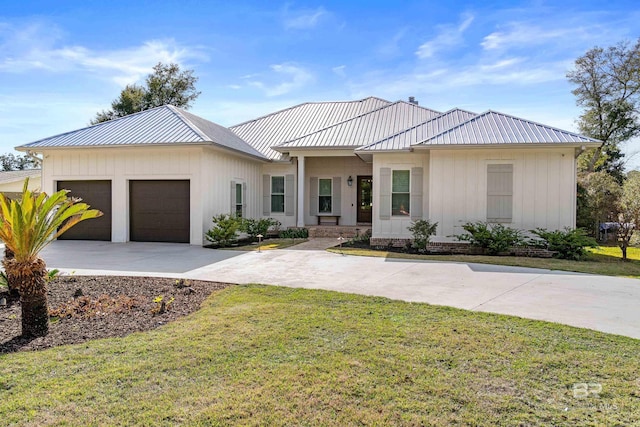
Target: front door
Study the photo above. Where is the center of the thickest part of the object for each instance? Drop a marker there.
(365, 198)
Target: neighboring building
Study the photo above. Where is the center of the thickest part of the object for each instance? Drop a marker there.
(12, 182)
(160, 175)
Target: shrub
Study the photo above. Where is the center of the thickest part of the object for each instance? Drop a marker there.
(294, 233)
(567, 243)
(422, 230)
(493, 238)
(253, 227)
(224, 231)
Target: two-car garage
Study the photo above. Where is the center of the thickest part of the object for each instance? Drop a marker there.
(159, 210)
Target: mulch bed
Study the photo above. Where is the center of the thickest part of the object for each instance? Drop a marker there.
(103, 306)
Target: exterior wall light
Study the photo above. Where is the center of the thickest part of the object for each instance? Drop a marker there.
(349, 181)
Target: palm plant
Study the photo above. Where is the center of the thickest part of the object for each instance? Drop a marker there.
(26, 227)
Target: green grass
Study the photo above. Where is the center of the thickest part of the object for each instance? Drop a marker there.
(604, 260)
(267, 245)
(258, 355)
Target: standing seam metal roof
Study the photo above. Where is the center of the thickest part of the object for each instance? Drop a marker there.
(493, 127)
(406, 138)
(161, 125)
(365, 128)
(273, 129)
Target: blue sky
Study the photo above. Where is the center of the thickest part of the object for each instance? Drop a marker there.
(61, 62)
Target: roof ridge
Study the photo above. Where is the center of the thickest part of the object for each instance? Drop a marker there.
(489, 112)
(335, 124)
(300, 105)
(97, 124)
(194, 128)
(415, 126)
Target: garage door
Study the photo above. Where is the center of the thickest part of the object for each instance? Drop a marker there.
(98, 195)
(159, 211)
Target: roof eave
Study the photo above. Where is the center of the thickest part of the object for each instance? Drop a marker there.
(509, 145)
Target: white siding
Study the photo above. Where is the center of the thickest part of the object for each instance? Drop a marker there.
(543, 188)
(280, 169)
(396, 227)
(209, 172)
(332, 167)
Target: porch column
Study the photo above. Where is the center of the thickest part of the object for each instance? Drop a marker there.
(300, 192)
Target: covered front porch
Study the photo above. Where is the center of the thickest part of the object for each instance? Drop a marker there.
(334, 189)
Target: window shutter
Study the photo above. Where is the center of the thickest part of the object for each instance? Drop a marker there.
(337, 196)
(499, 193)
(266, 195)
(244, 200)
(416, 194)
(233, 197)
(289, 187)
(313, 196)
(385, 193)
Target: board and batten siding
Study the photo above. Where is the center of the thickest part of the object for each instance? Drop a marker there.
(284, 170)
(209, 172)
(339, 169)
(219, 169)
(544, 186)
(390, 226)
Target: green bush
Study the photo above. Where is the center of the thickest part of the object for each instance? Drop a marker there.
(224, 231)
(294, 233)
(568, 243)
(493, 238)
(253, 227)
(422, 230)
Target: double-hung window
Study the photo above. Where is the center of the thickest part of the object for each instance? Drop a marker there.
(277, 194)
(325, 199)
(400, 192)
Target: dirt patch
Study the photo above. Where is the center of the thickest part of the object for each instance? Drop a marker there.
(107, 306)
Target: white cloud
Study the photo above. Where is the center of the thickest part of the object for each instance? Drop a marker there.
(339, 70)
(37, 46)
(303, 19)
(521, 34)
(297, 77)
(448, 36)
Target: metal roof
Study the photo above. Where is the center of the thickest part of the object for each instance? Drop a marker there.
(285, 125)
(408, 137)
(366, 128)
(492, 128)
(15, 176)
(161, 125)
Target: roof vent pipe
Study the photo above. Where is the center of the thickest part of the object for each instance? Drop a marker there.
(412, 100)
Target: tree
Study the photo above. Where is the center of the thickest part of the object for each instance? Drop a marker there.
(26, 227)
(601, 195)
(166, 85)
(608, 88)
(629, 211)
(11, 162)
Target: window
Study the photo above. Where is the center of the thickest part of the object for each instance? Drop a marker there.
(500, 193)
(277, 194)
(324, 196)
(239, 200)
(400, 192)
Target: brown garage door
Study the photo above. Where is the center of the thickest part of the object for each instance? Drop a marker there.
(159, 211)
(98, 195)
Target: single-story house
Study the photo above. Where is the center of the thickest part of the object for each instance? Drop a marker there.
(12, 182)
(161, 174)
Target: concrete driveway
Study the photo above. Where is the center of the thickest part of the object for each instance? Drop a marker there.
(607, 304)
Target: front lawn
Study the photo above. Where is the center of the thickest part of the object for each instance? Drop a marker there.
(262, 355)
(604, 260)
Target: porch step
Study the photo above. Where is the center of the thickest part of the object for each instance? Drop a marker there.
(336, 231)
